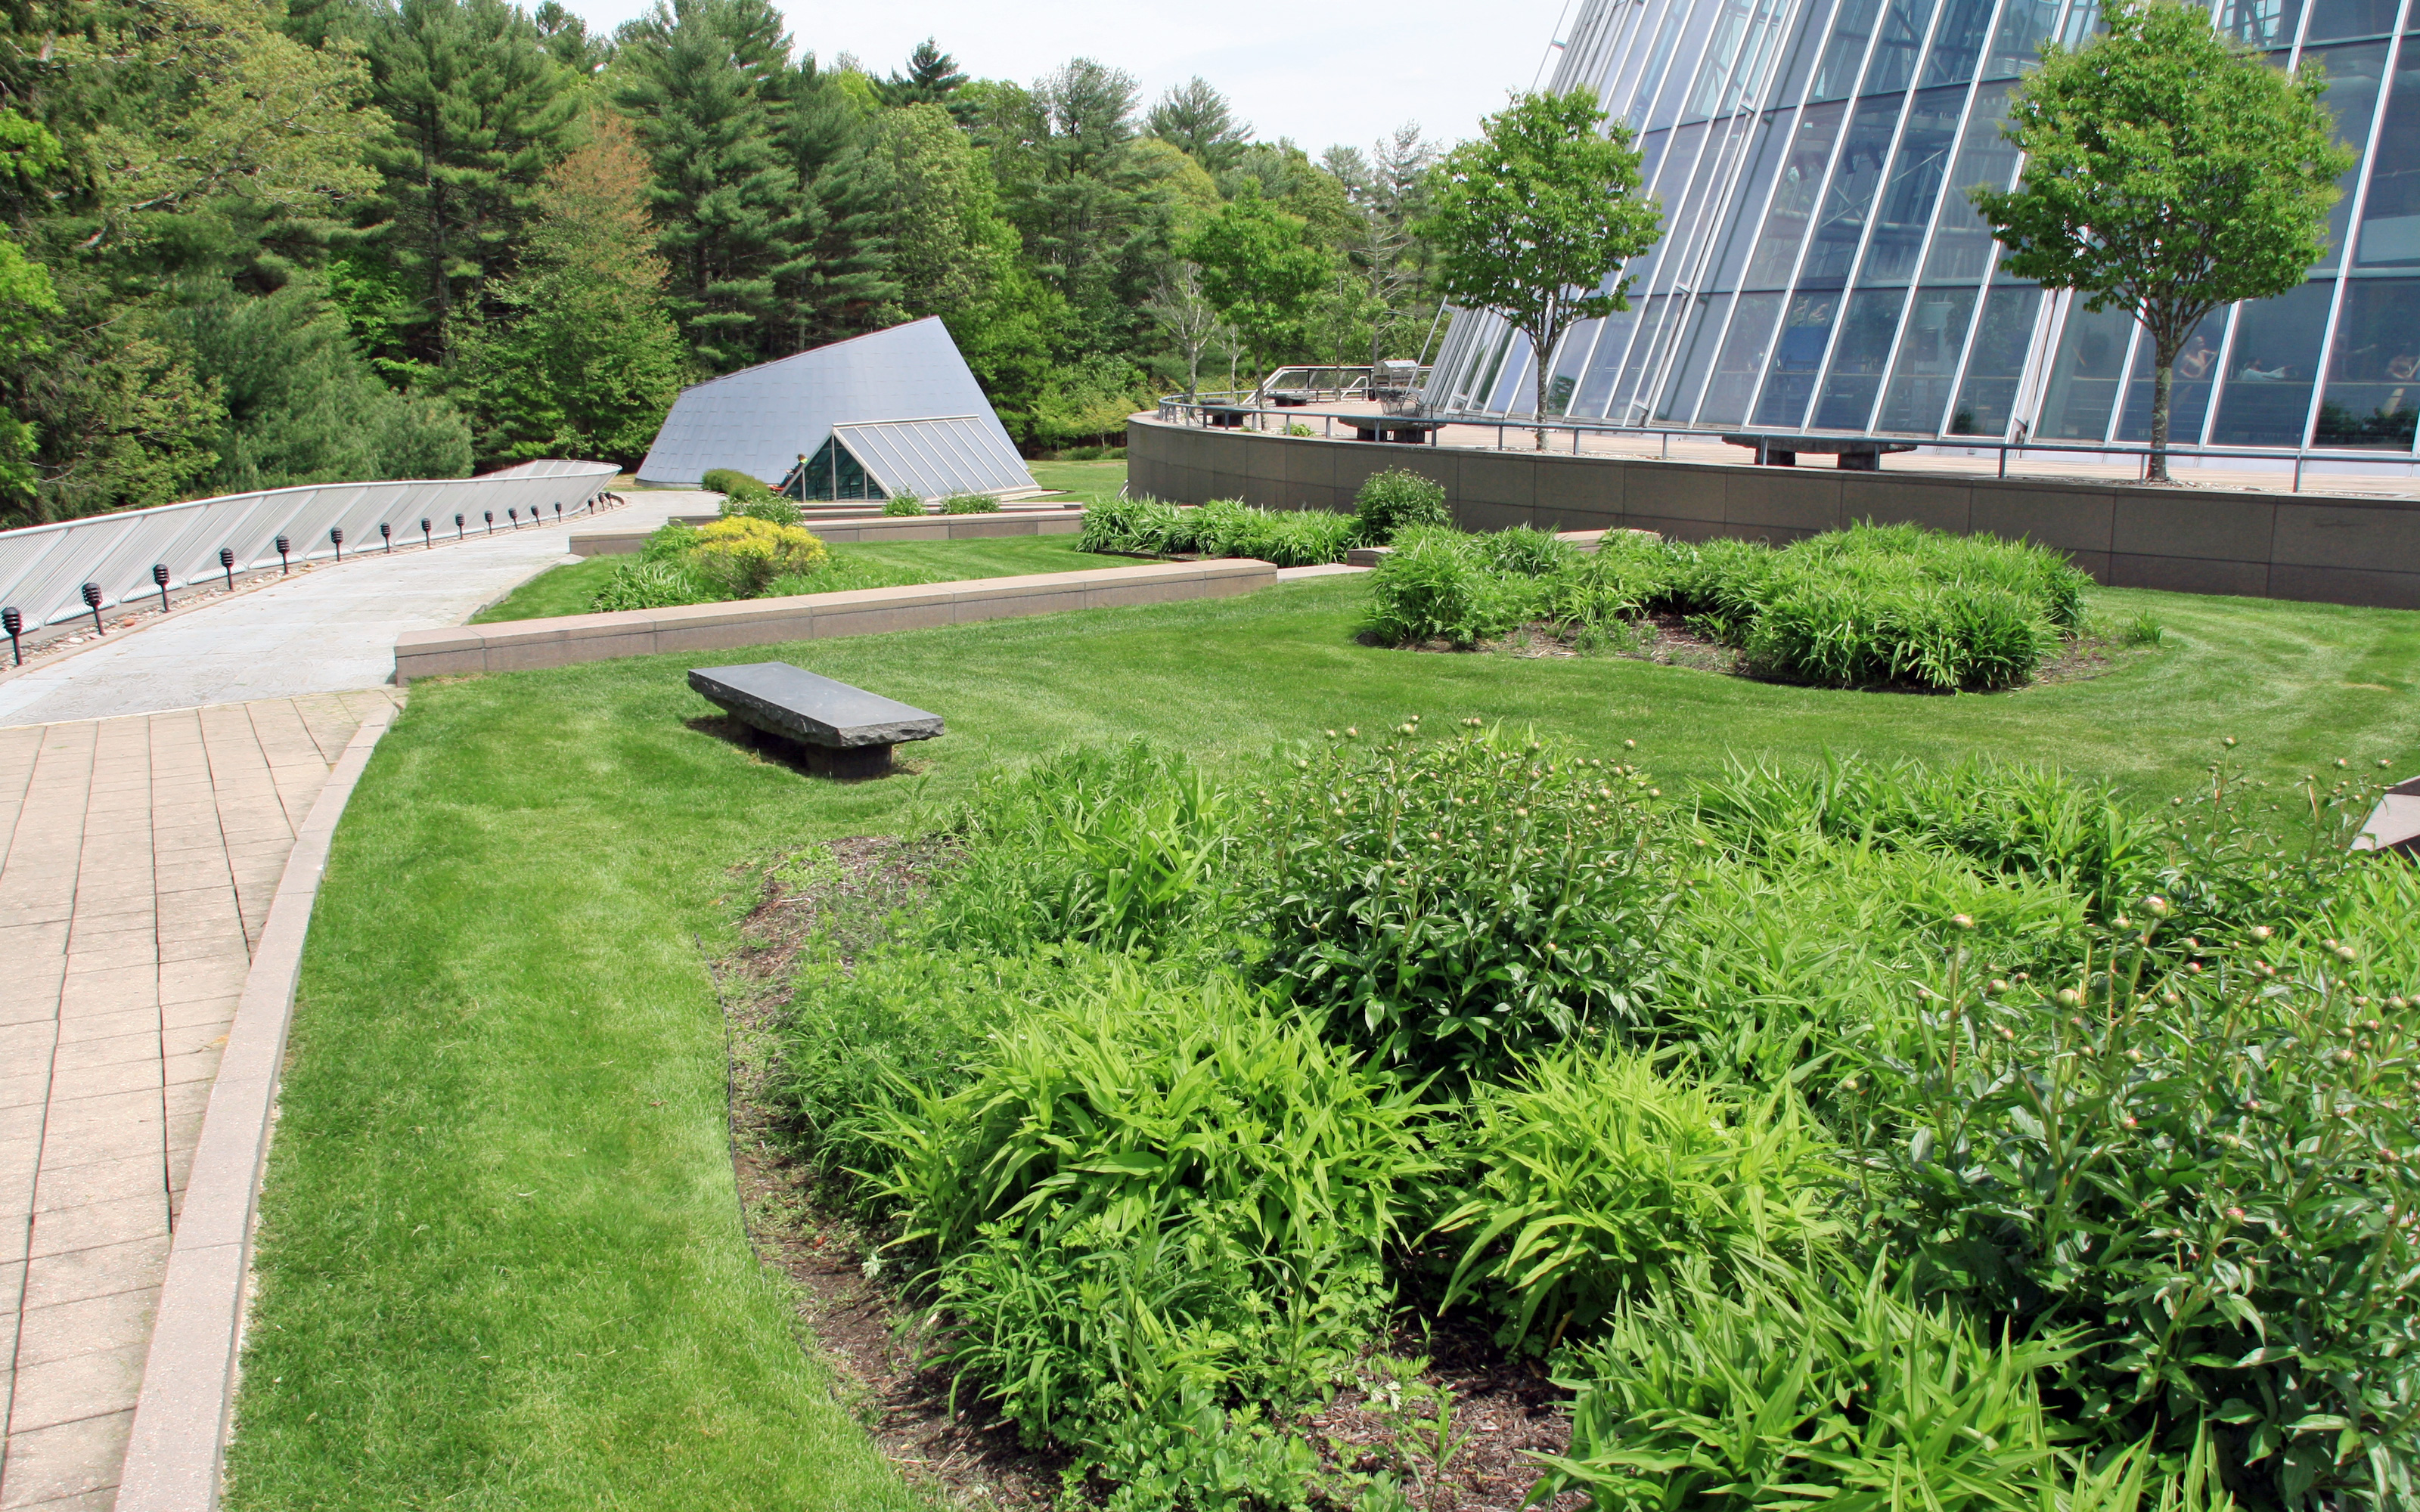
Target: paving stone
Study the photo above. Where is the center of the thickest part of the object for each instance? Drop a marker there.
(68, 1460)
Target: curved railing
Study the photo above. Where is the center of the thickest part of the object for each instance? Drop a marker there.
(45, 568)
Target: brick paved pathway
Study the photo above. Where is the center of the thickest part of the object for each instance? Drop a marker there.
(137, 859)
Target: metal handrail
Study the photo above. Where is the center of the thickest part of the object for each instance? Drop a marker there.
(1179, 410)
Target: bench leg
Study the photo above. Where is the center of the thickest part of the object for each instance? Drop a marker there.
(850, 763)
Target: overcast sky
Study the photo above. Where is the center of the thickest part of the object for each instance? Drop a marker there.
(1320, 71)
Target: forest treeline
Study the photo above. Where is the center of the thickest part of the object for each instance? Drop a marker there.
(249, 243)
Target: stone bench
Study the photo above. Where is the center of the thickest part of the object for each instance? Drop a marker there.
(1857, 453)
(846, 732)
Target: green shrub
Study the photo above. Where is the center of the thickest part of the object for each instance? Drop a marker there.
(1457, 903)
(735, 484)
(1394, 501)
(1126, 848)
(1526, 552)
(640, 583)
(970, 504)
(1222, 528)
(1436, 584)
(1140, 526)
(669, 542)
(904, 505)
(1795, 1392)
(772, 508)
(740, 556)
(1593, 1173)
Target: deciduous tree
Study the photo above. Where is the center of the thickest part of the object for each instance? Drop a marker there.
(1261, 273)
(1531, 219)
(2167, 173)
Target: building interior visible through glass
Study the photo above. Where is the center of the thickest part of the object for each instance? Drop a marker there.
(1822, 268)
(832, 473)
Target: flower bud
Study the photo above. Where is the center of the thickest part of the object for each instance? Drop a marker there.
(1962, 920)
(2156, 907)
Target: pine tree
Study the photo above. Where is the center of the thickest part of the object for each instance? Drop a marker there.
(705, 82)
(933, 78)
(480, 111)
(1197, 118)
(837, 281)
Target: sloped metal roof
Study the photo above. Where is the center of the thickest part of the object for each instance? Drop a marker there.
(760, 420)
(935, 458)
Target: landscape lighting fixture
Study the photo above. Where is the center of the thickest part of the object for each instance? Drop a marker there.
(227, 564)
(160, 575)
(492, 522)
(457, 527)
(14, 624)
(337, 535)
(426, 544)
(283, 545)
(92, 602)
(514, 515)
(386, 535)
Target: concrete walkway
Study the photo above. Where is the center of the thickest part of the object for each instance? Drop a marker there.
(140, 857)
(328, 631)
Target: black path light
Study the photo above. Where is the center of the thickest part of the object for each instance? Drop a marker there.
(425, 543)
(283, 545)
(457, 527)
(492, 522)
(92, 602)
(227, 564)
(337, 535)
(514, 515)
(387, 534)
(160, 575)
(558, 512)
(14, 624)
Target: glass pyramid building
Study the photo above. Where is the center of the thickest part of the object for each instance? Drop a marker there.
(1822, 268)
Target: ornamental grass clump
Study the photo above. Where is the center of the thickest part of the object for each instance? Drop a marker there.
(1454, 903)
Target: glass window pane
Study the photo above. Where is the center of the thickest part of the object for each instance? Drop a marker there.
(2084, 377)
(1805, 48)
(1735, 372)
(1651, 78)
(1962, 243)
(2188, 394)
(2018, 44)
(1915, 185)
(1678, 166)
(2355, 76)
(1578, 343)
(1796, 359)
(1696, 355)
(1794, 198)
(1857, 360)
(1605, 365)
(2390, 219)
(2335, 21)
(1722, 52)
(1683, 68)
(1652, 336)
(1746, 206)
(1846, 54)
(2374, 378)
(2268, 394)
(1854, 179)
(1893, 67)
(1929, 345)
(2261, 22)
(1958, 42)
(1992, 373)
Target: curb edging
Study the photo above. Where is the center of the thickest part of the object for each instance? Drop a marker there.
(178, 1439)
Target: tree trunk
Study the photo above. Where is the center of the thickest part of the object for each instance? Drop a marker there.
(1545, 376)
(2162, 384)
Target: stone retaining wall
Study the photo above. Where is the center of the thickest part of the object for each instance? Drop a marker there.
(2332, 550)
(520, 645)
(606, 543)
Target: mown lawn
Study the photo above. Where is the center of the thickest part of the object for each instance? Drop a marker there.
(570, 589)
(501, 1264)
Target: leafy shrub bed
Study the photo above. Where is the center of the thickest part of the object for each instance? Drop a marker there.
(1869, 606)
(1388, 502)
(1877, 1135)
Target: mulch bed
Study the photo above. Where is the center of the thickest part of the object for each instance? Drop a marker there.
(879, 1348)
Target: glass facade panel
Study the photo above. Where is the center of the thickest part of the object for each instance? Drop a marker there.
(2266, 398)
(2261, 22)
(2339, 21)
(2374, 378)
(1627, 407)
(1857, 360)
(1958, 43)
(2355, 76)
(1605, 365)
(1845, 58)
(1893, 67)
(1855, 179)
(1696, 355)
(1797, 358)
(1743, 213)
(1794, 197)
(1804, 52)
(1928, 346)
(2188, 392)
(1733, 383)
(2017, 45)
(2084, 377)
(2390, 221)
(1914, 187)
(1962, 243)
(1987, 400)
(835, 473)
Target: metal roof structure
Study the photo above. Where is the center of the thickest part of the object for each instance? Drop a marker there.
(761, 420)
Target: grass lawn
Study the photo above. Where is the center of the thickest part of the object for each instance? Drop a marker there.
(1092, 481)
(501, 1264)
(568, 589)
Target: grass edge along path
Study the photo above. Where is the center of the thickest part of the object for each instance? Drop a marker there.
(502, 1262)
